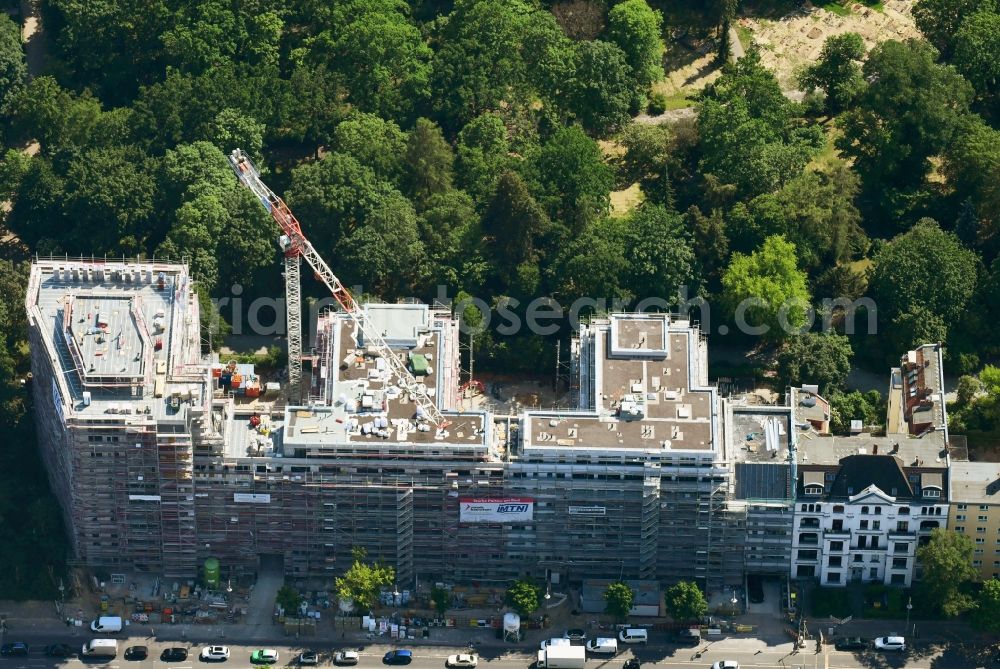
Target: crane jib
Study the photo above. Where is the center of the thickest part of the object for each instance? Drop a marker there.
(299, 245)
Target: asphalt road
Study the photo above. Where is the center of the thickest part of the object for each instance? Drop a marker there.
(750, 653)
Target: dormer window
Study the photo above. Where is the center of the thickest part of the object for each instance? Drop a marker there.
(814, 490)
(931, 492)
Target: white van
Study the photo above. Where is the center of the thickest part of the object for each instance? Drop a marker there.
(633, 635)
(107, 625)
(603, 646)
(100, 648)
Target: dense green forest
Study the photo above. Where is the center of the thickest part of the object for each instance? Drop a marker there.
(464, 144)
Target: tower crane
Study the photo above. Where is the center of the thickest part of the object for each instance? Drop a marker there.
(295, 246)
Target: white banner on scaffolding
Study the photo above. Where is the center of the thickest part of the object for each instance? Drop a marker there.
(496, 510)
(249, 498)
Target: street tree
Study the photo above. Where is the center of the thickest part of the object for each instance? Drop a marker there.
(766, 285)
(838, 71)
(363, 581)
(820, 358)
(441, 599)
(637, 30)
(288, 598)
(947, 570)
(618, 599)
(524, 596)
(685, 602)
(986, 615)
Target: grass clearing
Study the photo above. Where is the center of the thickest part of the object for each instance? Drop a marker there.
(624, 201)
(745, 35)
(835, 7)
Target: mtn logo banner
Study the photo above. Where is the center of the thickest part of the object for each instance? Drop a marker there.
(496, 509)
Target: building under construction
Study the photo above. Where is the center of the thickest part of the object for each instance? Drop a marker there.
(160, 463)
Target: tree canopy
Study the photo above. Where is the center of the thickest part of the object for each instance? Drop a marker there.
(618, 599)
(947, 569)
(685, 602)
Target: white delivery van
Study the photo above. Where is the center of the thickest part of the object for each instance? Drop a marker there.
(562, 657)
(633, 635)
(603, 646)
(107, 625)
(100, 648)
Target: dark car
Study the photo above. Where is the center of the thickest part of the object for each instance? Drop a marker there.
(15, 649)
(58, 650)
(755, 589)
(138, 653)
(685, 637)
(398, 657)
(850, 643)
(176, 654)
(632, 663)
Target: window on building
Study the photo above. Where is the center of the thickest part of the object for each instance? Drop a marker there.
(838, 508)
(833, 561)
(960, 528)
(980, 540)
(904, 510)
(807, 554)
(874, 542)
(838, 525)
(982, 518)
(864, 511)
(836, 546)
(899, 563)
(977, 563)
(980, 530)
(898, 579)
(931, 492)
(878, 511)
(876, 524)
(814, 490)
(902, 526)
(962, 507)
(833, 577)
(873, 572)
(805, 571)
(960, 516)
(864, 524)
(984, 507)
(862, 542)
(858, 557)
(900, 548)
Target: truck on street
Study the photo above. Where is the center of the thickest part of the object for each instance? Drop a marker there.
(562, 657)
(100, 648)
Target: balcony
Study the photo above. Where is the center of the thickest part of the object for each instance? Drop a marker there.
(836, 534)
(808, 539)
(811, 523)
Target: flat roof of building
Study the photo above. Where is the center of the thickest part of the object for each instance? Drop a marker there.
(646, 396)
(926, 451)
(975, 482)
(113, 328)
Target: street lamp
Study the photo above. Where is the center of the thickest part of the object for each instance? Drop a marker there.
(909, 607)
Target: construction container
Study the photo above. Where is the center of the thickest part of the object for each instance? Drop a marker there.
(253, 389)
(236, 381)
(216, 371)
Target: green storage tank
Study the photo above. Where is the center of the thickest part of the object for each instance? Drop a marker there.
(419, 364)
(212, 573)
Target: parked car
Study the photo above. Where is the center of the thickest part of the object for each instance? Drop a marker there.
(59, 650)
(136, 653)
(686, 637)
(895, 643)
(632, 663)
(462, 660)
(176, 654)
(726, 664)
(264, 656)
(346, 657)
(308, 658)
(575, 634)
(554, 642)
(15, 649)
(214, 654)
(398, 657)
(850, 643)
